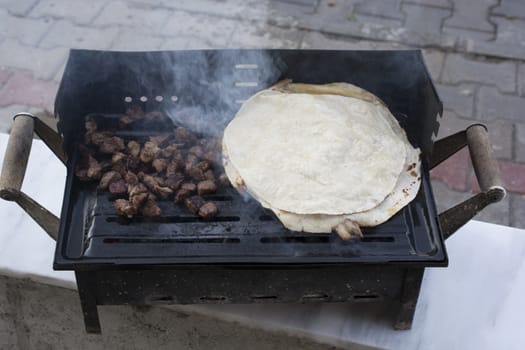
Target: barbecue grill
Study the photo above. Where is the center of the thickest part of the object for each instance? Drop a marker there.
(244, 255)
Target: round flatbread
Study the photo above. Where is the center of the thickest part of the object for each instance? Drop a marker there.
(316, 158)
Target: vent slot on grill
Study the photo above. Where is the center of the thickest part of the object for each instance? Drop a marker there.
(173, 240)
(170, 219)
(315, 297)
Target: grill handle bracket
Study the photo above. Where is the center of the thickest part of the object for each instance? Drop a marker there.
(15, 164)
(485, 167)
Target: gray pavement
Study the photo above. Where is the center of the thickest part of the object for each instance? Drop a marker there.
(475, 51)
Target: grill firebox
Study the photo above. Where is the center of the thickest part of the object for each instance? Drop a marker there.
(245, 255)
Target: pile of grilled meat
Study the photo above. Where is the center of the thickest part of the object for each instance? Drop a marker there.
(176, 165)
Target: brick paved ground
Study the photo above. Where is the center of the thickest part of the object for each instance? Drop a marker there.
(475, 51)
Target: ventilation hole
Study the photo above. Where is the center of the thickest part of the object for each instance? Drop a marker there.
(159, 98)
(295, 239)
(213, 298)
(377, 239)
(266, 218)
(143, 99)
(314, 296)
(170, 219)
(264, 297)
(174, 98)
(172, 240)
(246, 84)
(246, 66)
(162, 299)
(128, 99)
(365, 297)
(415, 215)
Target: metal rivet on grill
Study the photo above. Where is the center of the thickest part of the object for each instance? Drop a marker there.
(143, 98)
(174, 98)
(159, 98)
(128, 99)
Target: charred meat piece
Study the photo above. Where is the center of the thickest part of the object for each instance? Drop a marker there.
(194, 203)
(131, 178)
(172, 167)
(111, 145)
(134, 148)
(150, 208)
(149, 152)
(168, 151)
(190, 186)
(174, 181)
(159, 164)
(118, 188)
(94, 170)
(154, 186)
(196, 151)
(97, 137)
(184, 135)
(206, 187)
(161, 140)
(208, 211)
(118, 157)
(138, 188)
(212, 157)
(124, 208)
(108, 178)
(348, 229)
(196, 173)
(181, 194)
(209, 175)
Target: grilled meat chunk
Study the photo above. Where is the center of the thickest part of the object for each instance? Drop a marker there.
(209, 175)
(134, 149)
(159, 164)
(174, 181)
(131, 178)
(118, 188)
(181, 194)
(149, 152)
(161, 140)
(194, 203)
(206, 187)
(150, 208)
(184, 135)
(94, 170)
(133, 114)
(154, 186)
(196, 151)
(190, 186)
(107, 178)
(208, 211)
(111, 145)
(124, 208)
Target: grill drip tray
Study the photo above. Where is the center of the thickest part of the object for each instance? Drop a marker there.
(243, 232)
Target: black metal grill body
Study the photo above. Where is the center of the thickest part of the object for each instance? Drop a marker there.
(245, 255)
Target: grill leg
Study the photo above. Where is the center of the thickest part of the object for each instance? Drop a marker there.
(409, 296)
(89, 306)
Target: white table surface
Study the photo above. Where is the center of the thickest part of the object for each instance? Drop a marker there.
(476, 303)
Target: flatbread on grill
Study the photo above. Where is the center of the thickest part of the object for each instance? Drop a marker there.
(319, 154)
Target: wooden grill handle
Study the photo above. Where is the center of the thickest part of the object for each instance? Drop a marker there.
(14, 169)
(485, 167)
